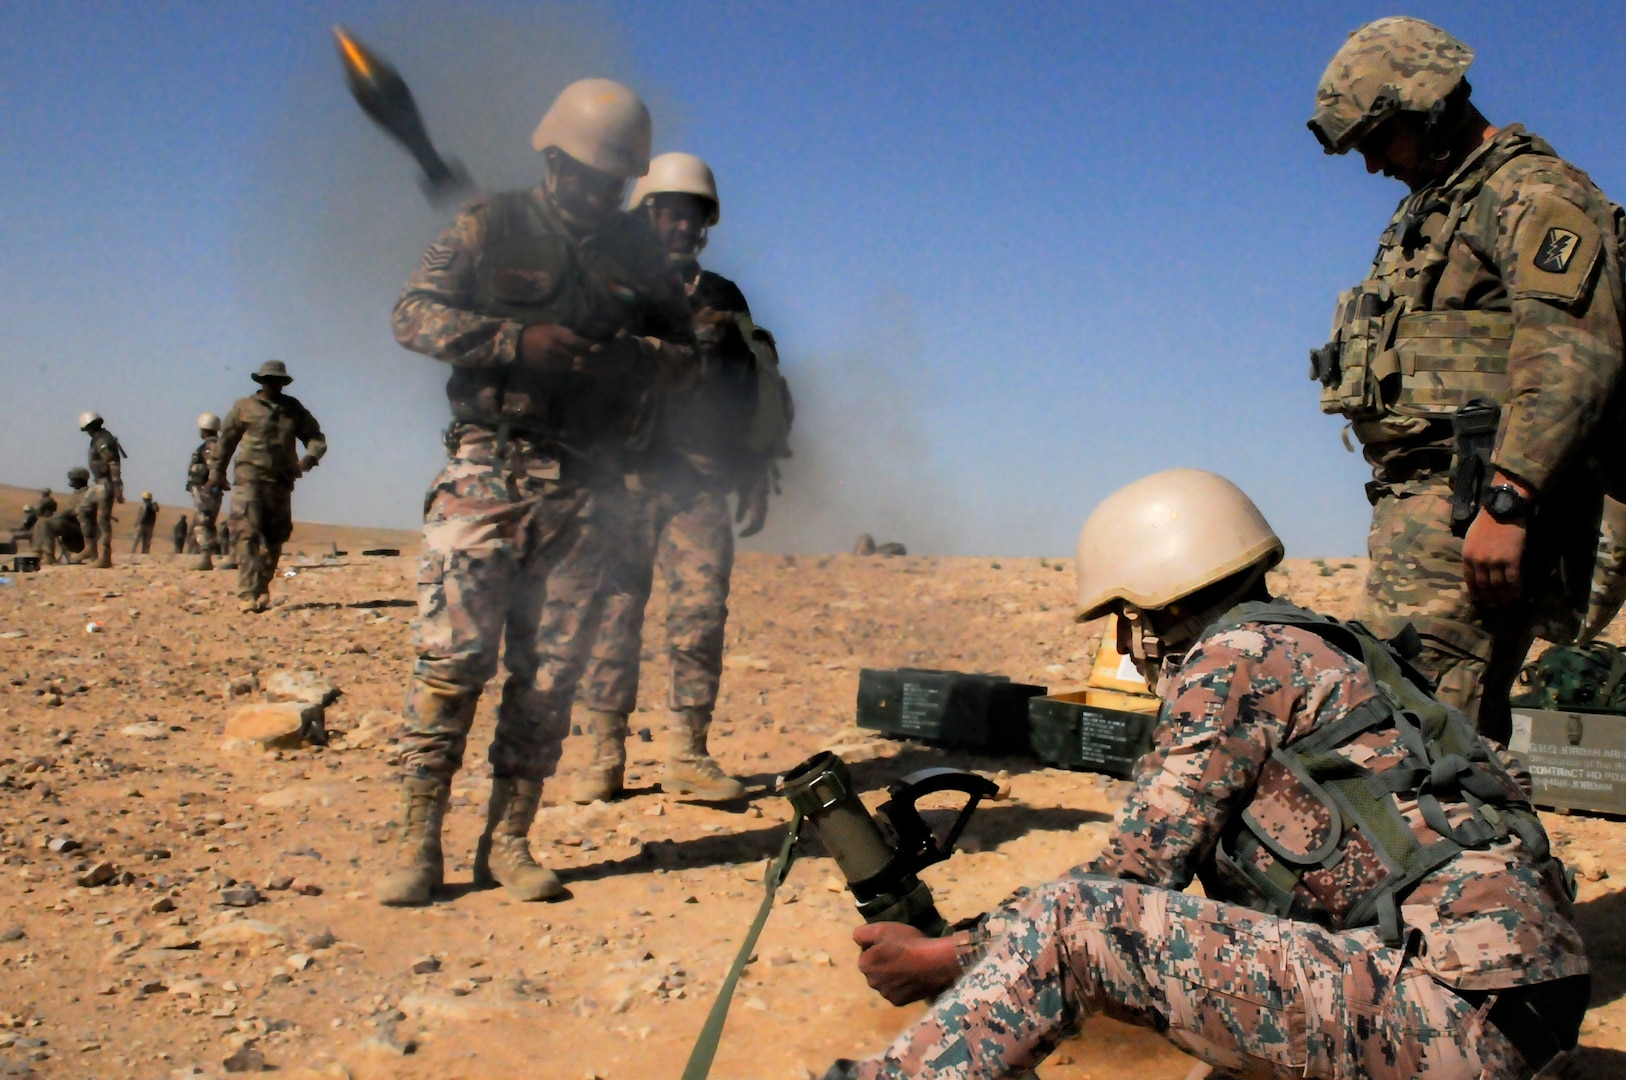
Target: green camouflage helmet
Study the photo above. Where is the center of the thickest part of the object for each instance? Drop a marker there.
(1392, 65)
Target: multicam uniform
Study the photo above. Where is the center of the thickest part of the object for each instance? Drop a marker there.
(1284, 994)
(1502, 283)
(205, 497)
(514, 524)
(263, 431)
(106, 487)
(677, 509)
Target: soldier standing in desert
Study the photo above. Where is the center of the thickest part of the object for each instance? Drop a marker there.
(264, 431)
(558, 317)
(105, 462)
(205, 496)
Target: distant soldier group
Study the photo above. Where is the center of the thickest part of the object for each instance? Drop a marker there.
(263, 430)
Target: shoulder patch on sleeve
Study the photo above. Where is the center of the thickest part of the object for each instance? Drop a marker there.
(438, 257)
(1556, 245)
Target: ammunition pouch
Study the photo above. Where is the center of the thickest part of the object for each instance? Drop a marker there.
(1474, 426)
(1362, 325)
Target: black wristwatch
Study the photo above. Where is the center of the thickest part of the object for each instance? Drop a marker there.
(1505, 505)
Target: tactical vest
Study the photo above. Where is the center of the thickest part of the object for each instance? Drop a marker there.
(197, 471)
(1352, 858)
(103, 446)
(1389, 355)
(530, 273)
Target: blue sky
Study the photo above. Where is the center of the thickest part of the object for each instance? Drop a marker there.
(1016, 255)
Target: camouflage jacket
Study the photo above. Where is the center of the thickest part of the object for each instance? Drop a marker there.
(511, 261)
(46, 506)
(105, 457)
(706, 419)
(197, 469)
(1539, 241)
(1489, 918)
(266, 429)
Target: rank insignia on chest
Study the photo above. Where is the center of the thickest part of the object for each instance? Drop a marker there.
(1557, 249)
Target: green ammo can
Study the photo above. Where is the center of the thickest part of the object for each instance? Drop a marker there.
(985, 713)
(1070, 731)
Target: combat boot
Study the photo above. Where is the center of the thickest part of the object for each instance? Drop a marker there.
(689, 767)
(104, 553)
(419, 866)
(602, 779)
(503, 856)
(204, 561)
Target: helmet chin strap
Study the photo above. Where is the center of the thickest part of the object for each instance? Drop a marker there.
(1150, 647)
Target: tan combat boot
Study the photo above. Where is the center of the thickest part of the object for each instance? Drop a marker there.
(419, 867)
(689, 768)
(204, 561)
(503, 856)
(104, 551)
(602, 779)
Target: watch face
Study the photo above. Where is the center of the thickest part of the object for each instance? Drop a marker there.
(1504, 502)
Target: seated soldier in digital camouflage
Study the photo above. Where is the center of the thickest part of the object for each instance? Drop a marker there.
(1380, 898)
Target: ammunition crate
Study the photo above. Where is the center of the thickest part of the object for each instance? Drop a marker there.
(1068, 730)
(987, 713)
(26, 564)
(1577, 759)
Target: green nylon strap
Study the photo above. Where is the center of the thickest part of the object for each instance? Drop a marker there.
(705, 1046)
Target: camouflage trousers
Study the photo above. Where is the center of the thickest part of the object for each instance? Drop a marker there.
(1251, 994)
(511, 557)
(262, 515)
(684, 529)
(206, 508)
(1472, 653)
(57, 537)
(95, 513)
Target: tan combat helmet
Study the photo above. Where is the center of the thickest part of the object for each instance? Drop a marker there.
(1392, 65)
(208, 422)
(678, 174)
(147, 495)
(1166, 536)
(600, 124)
(88, 418)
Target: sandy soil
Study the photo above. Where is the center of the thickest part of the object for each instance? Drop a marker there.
(112, 740)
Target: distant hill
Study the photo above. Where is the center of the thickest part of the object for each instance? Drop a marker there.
(308, 536)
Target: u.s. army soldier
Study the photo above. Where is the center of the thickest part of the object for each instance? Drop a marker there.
(1477, 362)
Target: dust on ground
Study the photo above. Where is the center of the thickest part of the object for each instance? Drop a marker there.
(113, 744)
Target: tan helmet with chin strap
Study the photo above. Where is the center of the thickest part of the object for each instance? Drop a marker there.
(678, 174)
(208, 422)
(1165, 537)
(601, 124)
(88, 418)
(1397, 64)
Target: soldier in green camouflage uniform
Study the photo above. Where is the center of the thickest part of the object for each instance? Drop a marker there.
(677, 509)
(266, 428)
(205, 496)
(1379, 899)
(1497, 281)
(57, 535)
(557, 315)
(106, 488)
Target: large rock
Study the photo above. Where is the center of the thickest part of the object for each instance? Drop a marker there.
(277, 726)
(302, 686)
(251, 932)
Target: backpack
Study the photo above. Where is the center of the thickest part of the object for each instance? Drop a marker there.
(1581, 678)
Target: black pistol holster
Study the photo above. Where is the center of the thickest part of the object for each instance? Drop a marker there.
(1474, 426)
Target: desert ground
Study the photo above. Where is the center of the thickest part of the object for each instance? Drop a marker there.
(176, 905)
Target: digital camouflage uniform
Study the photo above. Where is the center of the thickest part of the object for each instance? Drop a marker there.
(678, 518)
(106, 488)
(514, 525)
(1502, 282)
(263, 431)
(1256, 994)
(205, 497)
(146, 519)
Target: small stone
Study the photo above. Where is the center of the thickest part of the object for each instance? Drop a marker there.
(425, 965)
(305, 687)
(300, 961)
(246, 1059)
(307, 889)
(223, 1010)
(150, 986)
(280, 882)
(833, 884)
(63, 844)
(100, 874)
(244, 895)
(284, 726)
(16, 933)
(244, 932)
(161, 906)
(146, 731)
